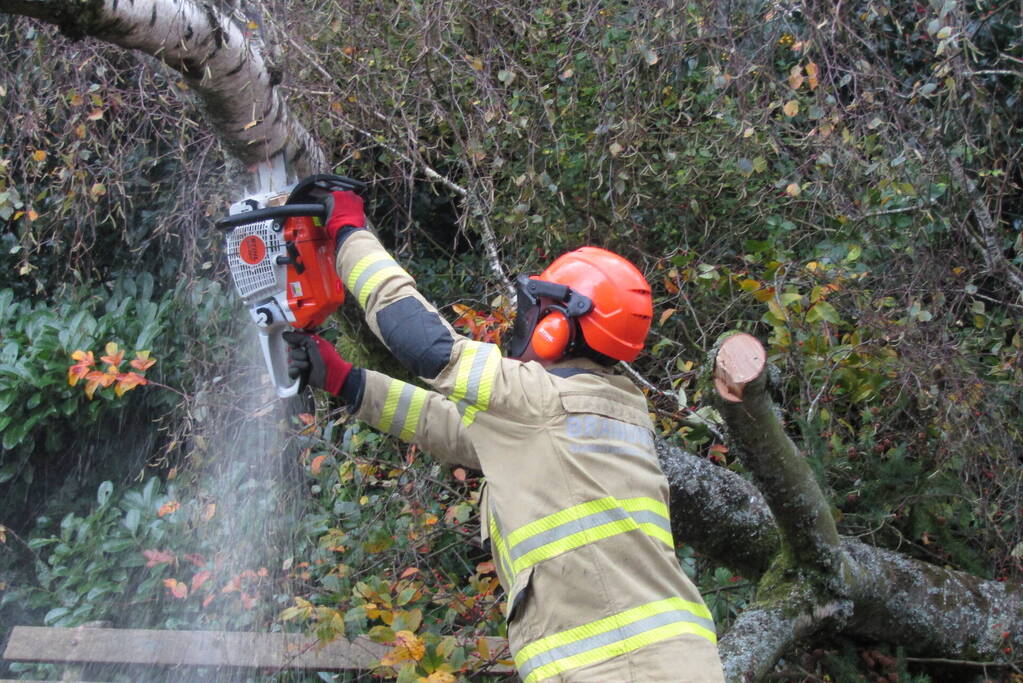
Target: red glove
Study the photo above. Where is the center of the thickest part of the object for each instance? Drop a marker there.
(346, 209)
(316, 362)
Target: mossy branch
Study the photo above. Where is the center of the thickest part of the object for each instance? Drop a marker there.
(781, 473)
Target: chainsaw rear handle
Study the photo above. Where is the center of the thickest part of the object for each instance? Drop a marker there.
(284, 211)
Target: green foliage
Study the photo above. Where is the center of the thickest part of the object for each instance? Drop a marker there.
(41, 412)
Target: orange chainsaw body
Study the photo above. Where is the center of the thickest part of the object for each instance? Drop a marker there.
(314, 289)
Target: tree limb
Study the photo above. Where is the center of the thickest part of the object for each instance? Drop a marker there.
(782, 474)
(212, 53)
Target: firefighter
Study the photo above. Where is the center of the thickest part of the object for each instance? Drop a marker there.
(575, 506)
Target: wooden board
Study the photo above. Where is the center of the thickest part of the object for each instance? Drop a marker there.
(199, 648)
(189, 648)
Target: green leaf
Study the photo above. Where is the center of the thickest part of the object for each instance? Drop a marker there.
(822, 310)
(103, 494)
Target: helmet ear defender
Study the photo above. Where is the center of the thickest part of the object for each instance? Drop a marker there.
(553, 335)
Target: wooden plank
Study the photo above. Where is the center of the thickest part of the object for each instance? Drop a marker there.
(201, 648)
(190, 648)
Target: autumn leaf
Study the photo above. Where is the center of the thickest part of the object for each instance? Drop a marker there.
(128, 381)
(177, 588)
(317, 464)
(791, 108)
(114, 355)
(96, 379)
(168, 508)
(667, 314)
(409, 572)
(39, 155)
(96, 115)
(80, 369)
(485, 568)
(155, 557)
(408, 646)
(792, 190)
(812, 75)
(458, 473)
(209, 511)
(438, 677)
(796, 77)
(142, 361)
(200, 578)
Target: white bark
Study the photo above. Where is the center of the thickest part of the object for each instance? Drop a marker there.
(213, 54)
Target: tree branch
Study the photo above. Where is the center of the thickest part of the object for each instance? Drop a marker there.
(718, 513)
(782, 474)
(214, 56)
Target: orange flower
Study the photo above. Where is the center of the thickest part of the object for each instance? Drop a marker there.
(114, 355)
(81, 368)
(142, 361)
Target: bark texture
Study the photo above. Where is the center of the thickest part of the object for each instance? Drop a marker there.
(214, 55)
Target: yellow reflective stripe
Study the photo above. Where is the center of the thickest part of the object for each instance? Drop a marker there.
(661, 530)
(500, 549)
(560, 517)
(657, 532)
(486, 382)
(465, 363)
(612, 636)
(408, 429)
(469, 416)
(644, 503)
(572, 541)
(390, 405)
(368, 273)
(619, 648)
(478, 365)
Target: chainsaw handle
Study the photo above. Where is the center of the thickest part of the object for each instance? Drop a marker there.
(275, 353)
(284, 211)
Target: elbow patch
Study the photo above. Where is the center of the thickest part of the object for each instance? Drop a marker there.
(416, 336)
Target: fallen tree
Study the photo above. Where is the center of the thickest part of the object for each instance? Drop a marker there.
(777, 530)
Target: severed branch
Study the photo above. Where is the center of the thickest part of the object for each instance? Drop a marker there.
(782, 474)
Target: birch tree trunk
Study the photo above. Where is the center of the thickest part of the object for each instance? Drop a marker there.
(215, 57)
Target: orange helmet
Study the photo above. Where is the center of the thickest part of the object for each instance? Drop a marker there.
(601, 291)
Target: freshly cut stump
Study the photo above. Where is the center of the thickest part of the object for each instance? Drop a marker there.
(740, 360)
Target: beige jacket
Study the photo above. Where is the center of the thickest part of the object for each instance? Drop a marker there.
(575, 506)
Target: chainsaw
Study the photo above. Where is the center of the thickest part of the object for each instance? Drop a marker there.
(282, 264)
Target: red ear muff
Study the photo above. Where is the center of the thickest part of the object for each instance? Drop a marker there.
(551, 336)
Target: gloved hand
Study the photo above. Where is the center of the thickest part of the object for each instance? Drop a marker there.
(346, 209)
(316, 362)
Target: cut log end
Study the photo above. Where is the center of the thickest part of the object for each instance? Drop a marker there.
(739, 361)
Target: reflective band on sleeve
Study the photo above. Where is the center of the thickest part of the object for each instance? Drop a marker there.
(402, 407)
(478, 366)
(578, 525)
(500, 551)
(368, 273)
(612, 636)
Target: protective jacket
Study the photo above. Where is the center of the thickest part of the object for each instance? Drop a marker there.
(575, 506)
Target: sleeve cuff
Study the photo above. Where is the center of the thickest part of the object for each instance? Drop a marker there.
(353, 389)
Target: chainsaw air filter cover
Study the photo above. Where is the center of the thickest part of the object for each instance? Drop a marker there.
(252, 252)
